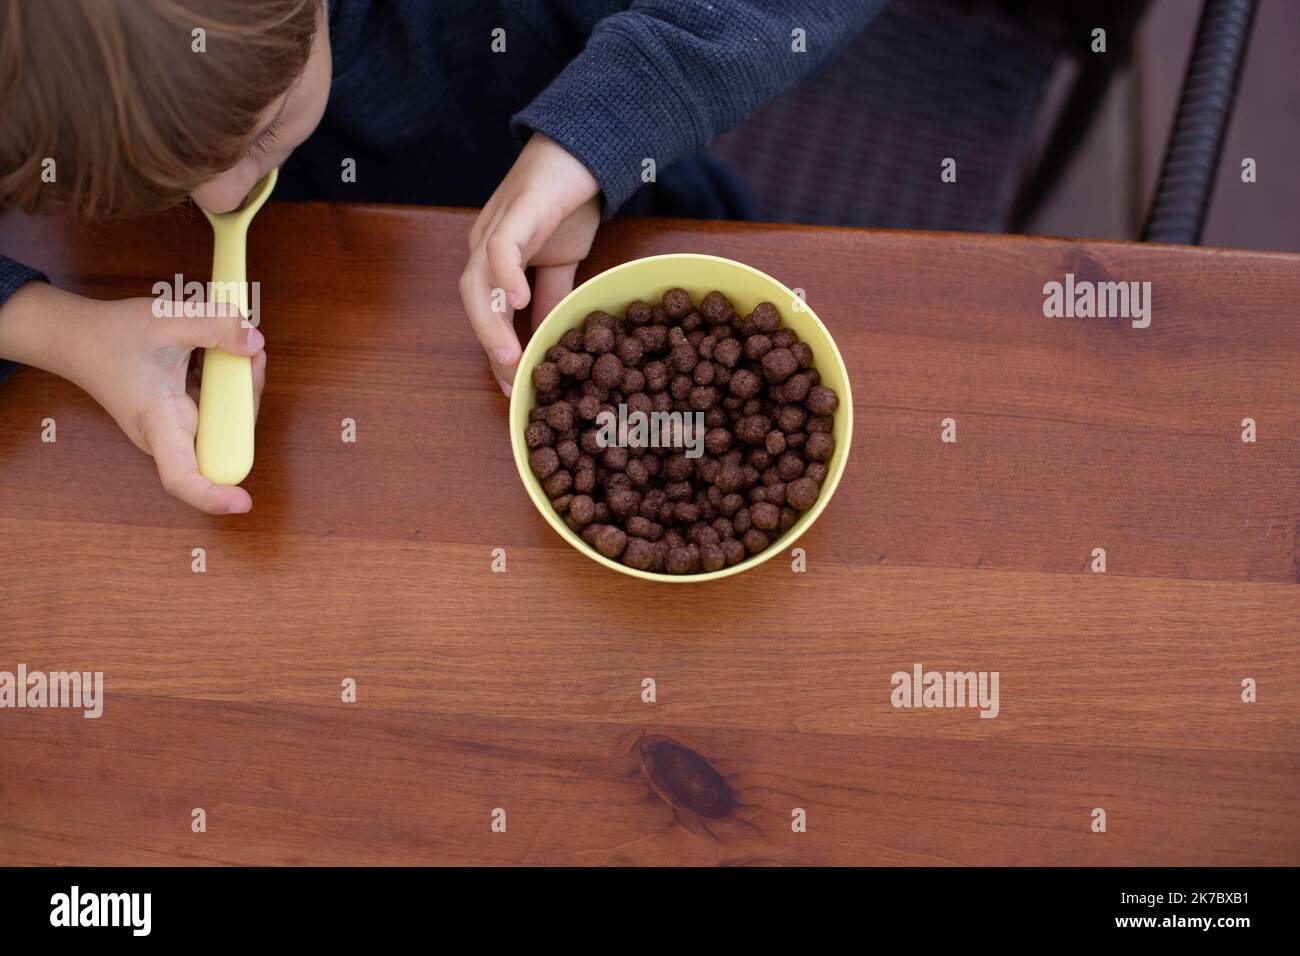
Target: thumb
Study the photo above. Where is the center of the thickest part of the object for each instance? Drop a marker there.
(219, 326)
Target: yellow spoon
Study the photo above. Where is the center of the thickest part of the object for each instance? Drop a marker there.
(224, 442)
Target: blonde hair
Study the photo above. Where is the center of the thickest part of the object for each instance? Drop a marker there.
(115, 93)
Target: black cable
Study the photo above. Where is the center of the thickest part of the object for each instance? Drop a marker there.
(1192, 159)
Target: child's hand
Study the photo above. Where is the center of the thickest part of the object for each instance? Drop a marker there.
(544, 214)
(138, 367)
(145, 379)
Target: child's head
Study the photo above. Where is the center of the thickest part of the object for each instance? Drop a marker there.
(136, 109)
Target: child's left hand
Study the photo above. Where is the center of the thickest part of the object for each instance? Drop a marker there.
(138, 366)
(544, 214)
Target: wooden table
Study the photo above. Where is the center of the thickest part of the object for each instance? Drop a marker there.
(523, 691)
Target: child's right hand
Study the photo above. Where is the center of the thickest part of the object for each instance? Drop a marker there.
(137, 366)
(544, 214)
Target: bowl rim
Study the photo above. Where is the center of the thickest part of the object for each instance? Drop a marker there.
(529, 358)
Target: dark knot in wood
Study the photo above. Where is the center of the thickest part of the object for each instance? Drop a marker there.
(683, 779)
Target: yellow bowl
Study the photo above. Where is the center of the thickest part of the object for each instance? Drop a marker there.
(649, 279)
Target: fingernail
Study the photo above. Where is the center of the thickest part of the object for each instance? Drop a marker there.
(238, 509)
(505, 388)
(503, 356)
(255, 339)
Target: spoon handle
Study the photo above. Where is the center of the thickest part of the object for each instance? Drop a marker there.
(224, 442)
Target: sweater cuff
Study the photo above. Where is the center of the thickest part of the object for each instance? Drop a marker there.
(13, 276)
(613, 109)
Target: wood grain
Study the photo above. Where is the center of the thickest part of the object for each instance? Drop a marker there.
(523, 690)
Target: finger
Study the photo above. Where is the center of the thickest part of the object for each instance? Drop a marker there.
(172, 445)
(508, 251)
(495, 330)
(259, 381)
(225, 329)
(550, 285)
(486, 222)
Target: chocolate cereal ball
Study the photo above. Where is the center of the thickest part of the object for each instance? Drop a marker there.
(610, 541)
(801, 494)
(789, 466)
(608, 371)
(764, 514)
(600, 318)
(538, 434)
(641, 527)
(677, 303)
(728, 481)
(614, 458)
(653, 337)
(756, 346)
(640, 554)
(716, 308)
(753, 429)
(796, 387)
(559, 483)
(546, 376)
(728, 352)
(765, 318)
(702, 397)
(679, 560)
(575, 365)
(755, 541)
(819, 447)
(712, 558)
(745, 384)
(633, 381)
(544, 462)
(717, 441)
(684, 357)
(598, 340)
(560, 416)
(639, 313)
(582, 509)
(822, 400)
(629, 350)
(779, 364)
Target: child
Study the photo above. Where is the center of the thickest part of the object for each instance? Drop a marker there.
(139, 103)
